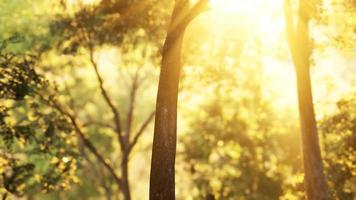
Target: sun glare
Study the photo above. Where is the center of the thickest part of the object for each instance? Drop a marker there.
(245, 7)
(232, 6)
(262, 20)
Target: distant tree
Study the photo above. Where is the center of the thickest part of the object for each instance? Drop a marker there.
(127, 25)
(114, 23)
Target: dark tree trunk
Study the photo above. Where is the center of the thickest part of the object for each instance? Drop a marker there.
(162, 178)
(315, 182)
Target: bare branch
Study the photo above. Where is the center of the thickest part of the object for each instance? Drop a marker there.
(141, 130)
(92, 148)
(97, 123)
(130, 112)
(88, 144)
(107, 98)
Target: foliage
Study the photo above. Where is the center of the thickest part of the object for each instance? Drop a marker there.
(235, 150)
(230, 149)
(339, 139)
(36, 144)
(29, 22)
(110, 22)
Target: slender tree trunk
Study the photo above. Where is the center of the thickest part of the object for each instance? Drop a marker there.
(125, 186)
(162, 180)
(125, 148)
(315, 182)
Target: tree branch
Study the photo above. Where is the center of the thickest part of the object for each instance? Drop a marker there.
(183, 19)
(200, 7)
(101, 124)
(92, 148)
(107, 98)
(88, 144)
(141, 130)
(130, 112)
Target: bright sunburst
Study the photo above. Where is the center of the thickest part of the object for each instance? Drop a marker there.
(261, 20)
(246, 7)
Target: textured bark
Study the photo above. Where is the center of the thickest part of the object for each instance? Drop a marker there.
(315, 182)
(162, 180)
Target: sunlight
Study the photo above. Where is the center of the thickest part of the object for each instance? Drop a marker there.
(108, 61)
(261, 16)
(250, 8)
(233, 6)
(262, 21)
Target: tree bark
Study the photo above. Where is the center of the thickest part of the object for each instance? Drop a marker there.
(162, 178)
(315, 182)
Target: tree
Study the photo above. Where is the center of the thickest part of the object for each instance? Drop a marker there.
(298, 39)
(162, 178)
(116, 23)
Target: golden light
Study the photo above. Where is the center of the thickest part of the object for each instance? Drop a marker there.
(233, 6)
(264, 16)
(262, 21)
(244, 7)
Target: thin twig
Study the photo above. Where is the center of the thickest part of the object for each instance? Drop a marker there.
(100, 124)
(69, 113)
(107, 98)
(141, 130)
(130, 112)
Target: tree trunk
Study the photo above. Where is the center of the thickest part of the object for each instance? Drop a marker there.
(315, 182)
(125, 186)
(162, 178)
